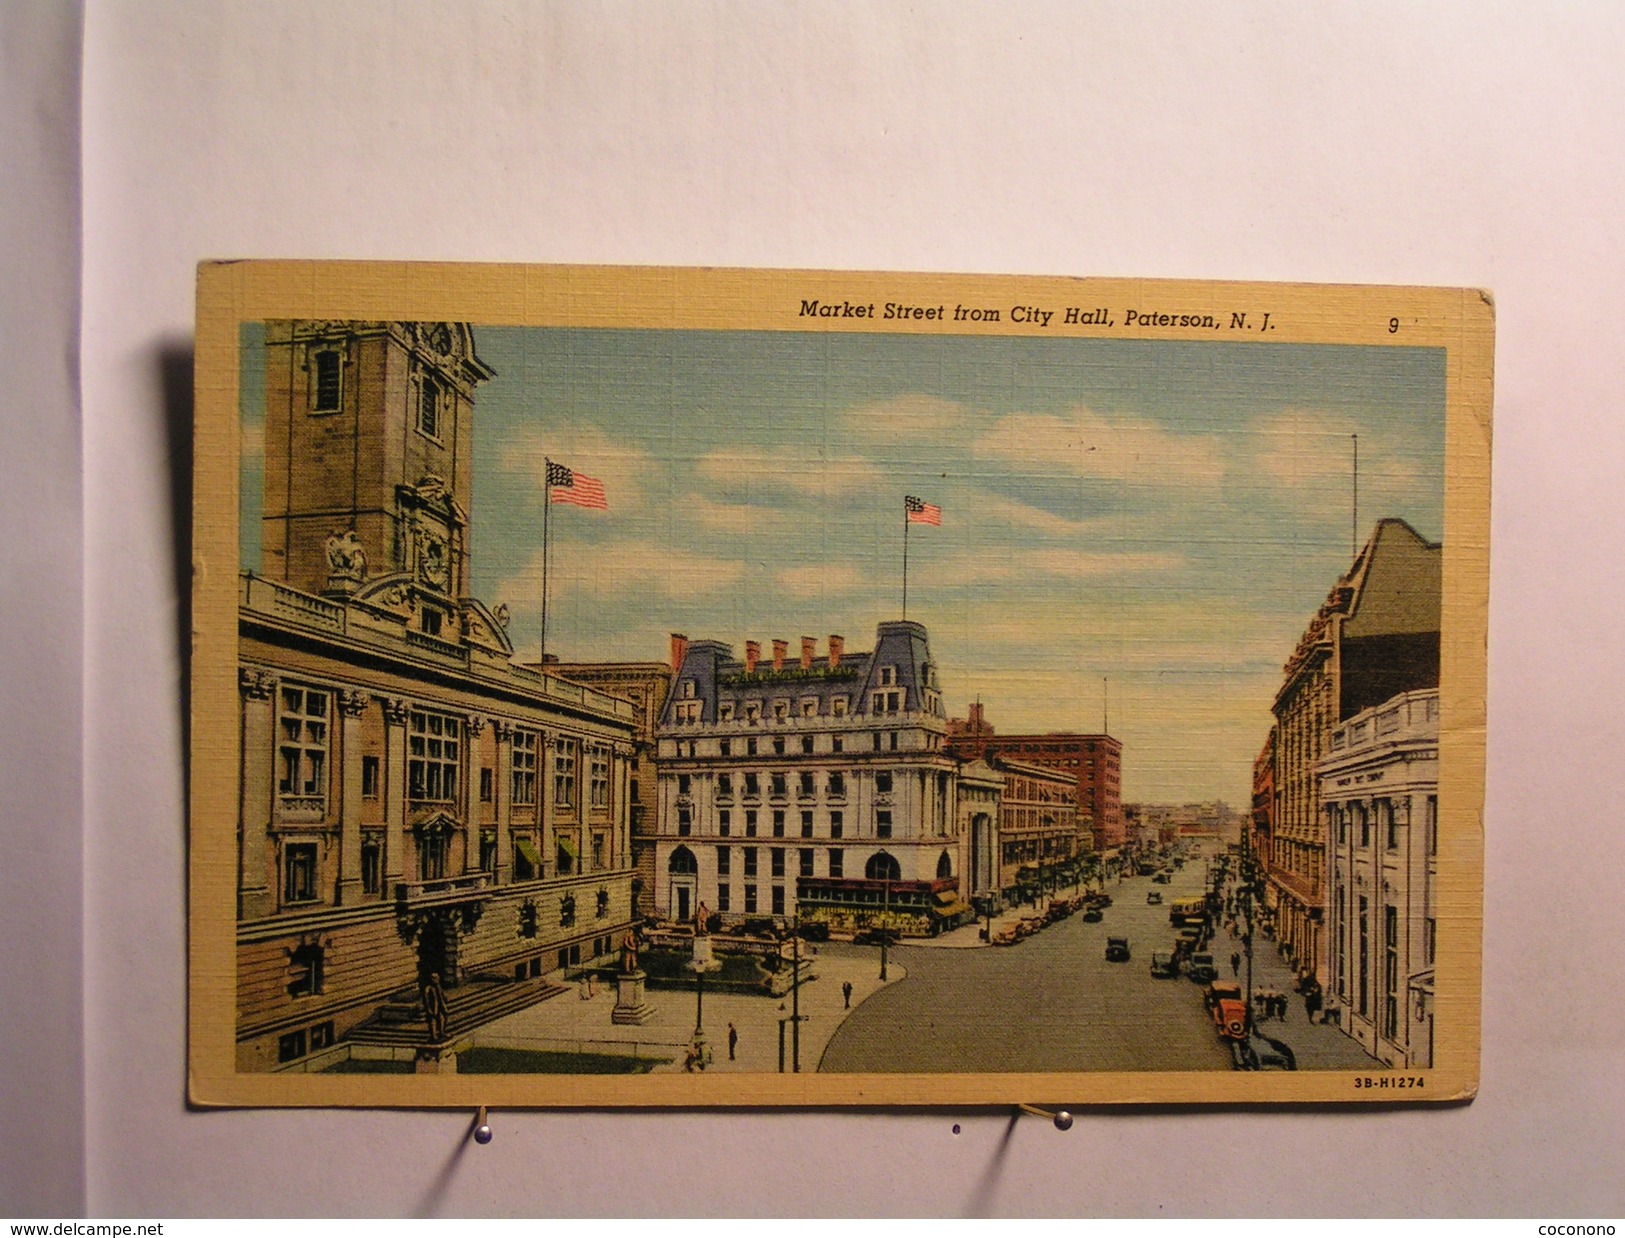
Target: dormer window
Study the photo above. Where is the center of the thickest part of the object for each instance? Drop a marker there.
(688, 689)
(888, 675)
(725, 713)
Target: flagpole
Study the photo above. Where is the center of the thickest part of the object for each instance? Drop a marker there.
(547, 503)
(1354, 527)
(905, 560)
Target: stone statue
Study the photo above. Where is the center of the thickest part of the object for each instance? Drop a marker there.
(629, 952)
(702, 920)
(346, 562)
(434, 1008)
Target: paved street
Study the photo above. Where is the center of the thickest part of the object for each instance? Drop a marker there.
(1049, 1003)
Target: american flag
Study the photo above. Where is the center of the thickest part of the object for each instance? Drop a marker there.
(565, 485)
(921, 512)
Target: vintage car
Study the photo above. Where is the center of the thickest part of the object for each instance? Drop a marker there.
(1230, 1019)
(1163, 878)
(1220, 991)
(1006, 935)
(1117, 950)
(1154, 899)
(1093, 916)
(1163, 965)
(1201, 969)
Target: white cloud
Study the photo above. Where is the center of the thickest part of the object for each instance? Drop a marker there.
(733, 517)
(912, 416)
(820, 579)
(624, 469)
(626, 568)
(1310, 456)
(1003, 564)
(1085, 443)
(755, 470)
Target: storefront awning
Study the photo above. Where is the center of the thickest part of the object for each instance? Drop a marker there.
(946, 898)
(528, 853)
(568, 847)
(951, 909)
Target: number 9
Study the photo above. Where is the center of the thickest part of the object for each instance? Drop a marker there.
(1393, 326)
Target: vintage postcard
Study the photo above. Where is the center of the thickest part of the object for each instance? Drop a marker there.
(628, 686)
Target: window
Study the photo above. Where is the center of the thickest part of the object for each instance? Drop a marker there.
(725, 746)
(305, 970)
(778, 900)
(597, 849)
(1342, 816)
(888, 675)
(837, 862)
(750, 823)
(750, 861)
(369, 777)
(724, 861)
(883, 823)
(893, 737)
(806, 745)
(837, 743)
(876, 740)
(750, 746)
(291, 1047)
(778, 745)
(598, 777)
(329, 368)
(806, 861)
(1431, 821)
(1364, 819)
(777, 858)
(433, 749)
(524, 767)
(724, 822)
(837, 706)
(321, 1036)
(781, 710)
(753, 785)
(725, 786)
(778, 823)
(603, 907)
(809, 709)
(1390, 971)
(753, 714)
(303, 744)
(806, 823)
(1391, 822)
(883, 782)
(488, 851)
(299, 873)
(882, 867)
(486, 783)
(688, 690)
(685, 821)
(1430, 940)
(433, 847)
(430, 621)
(524, 870)
(837, 822)
(564, 773)
(372, 854)
(750, 900)
(804, 786)
(567, 911)
(685, 784)
(780, 786)
(836, 788)
(429, 407)
(725, 713)
(1362, 994)
(724, 897)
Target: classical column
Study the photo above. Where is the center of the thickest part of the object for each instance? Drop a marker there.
(352, 704)
(470, 782)
(396, 712)
(546, 843)
(255, 897)
(502, 793)
(621, 808)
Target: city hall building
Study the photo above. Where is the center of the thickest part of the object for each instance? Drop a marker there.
(816, 786)
(414, 807)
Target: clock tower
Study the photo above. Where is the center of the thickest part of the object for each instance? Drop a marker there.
(369, 455)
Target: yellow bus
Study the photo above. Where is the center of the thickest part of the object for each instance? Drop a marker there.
(1192, 910)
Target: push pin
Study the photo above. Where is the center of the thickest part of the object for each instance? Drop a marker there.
(482, 1128)
(1061, 1117)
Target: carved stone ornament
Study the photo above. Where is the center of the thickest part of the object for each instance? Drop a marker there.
(503, 731)
(346, 558)
(352, 703)
(434, 564)
(501, 614)
(396, 711)
(476, 724)
(255, 685)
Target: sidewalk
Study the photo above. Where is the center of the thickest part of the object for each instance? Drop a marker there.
(570, 1023)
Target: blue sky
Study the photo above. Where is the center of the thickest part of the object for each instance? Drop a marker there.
(1166, 515)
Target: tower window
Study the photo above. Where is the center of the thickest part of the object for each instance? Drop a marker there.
(328, 369)
(429, 407)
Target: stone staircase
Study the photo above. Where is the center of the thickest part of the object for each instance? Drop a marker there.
(474, 1003)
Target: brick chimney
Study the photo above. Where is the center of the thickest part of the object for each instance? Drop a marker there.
(780, 648)
(753, 655)
(837, 646)
(808, 644)
(679, 647)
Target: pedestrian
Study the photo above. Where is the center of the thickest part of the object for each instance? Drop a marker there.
(1235, 963)
(846, 993)
(733, 1040)
(1311, 1001)
(1282, 1004)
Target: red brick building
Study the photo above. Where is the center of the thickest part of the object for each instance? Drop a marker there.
(1095, 761)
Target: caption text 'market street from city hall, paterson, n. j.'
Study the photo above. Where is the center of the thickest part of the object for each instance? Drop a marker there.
(1034, 315)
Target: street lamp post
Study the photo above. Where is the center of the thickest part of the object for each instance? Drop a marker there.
(700, 964)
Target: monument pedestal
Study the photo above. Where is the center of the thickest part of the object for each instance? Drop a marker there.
(435, 1061)
(630, 1005)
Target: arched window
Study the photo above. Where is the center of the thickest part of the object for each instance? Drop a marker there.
(882, 867)
(945, 866)
(682, 863)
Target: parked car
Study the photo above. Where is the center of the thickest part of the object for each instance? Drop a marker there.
(1154, 899)
(1163, 879)
(1093, 916)
(1230, 1019)
(1201, 969)
(1220, 991)
(1258, 1052)
(1163, 965)
(1117, 950)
